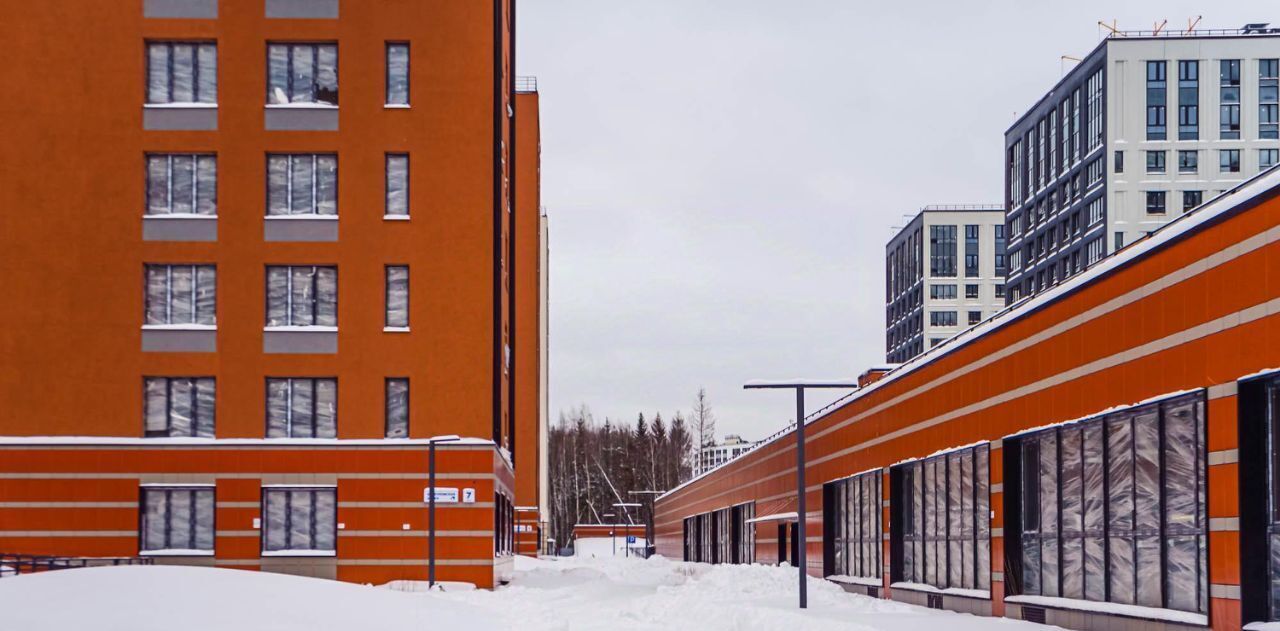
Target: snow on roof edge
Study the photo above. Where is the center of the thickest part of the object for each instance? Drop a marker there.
(1264, 182)
(234, 442)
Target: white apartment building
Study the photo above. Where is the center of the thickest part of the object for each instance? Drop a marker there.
(944, 272)
(1148, 126)
(716, 454)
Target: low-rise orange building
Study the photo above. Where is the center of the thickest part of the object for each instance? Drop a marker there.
(1100, 455)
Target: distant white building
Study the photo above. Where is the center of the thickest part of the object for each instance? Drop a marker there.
(716, 454)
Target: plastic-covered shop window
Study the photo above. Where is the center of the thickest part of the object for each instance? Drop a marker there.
(1113, 508)
(397, 185)
(177, 518)
(179, 407)
(946, 530)
(182, 72)
(397, 74)
(302, 296)
(302, 73)
(302, 184)
(300, 519)
(181, 294)
(857, 540)
(182, 184)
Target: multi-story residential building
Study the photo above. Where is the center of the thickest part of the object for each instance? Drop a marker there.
(256, 255)
(716, 454)
(944, 272)
(1146, 127)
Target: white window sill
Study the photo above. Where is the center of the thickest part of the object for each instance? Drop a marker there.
(397, 106)
(855, 580)
(179, 216)
(395, 329)
(301, 217)
(300, 106)
(299, 553)
(176, 553)
(1133, 611)
(179, 327)
(303, 329)
(180, 106)
(395, 217)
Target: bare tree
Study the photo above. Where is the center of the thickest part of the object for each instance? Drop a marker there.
(704, 424)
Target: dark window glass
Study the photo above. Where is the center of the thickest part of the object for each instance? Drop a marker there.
(1229, 99)
(1157, 98)
(1155, 202)
(1188, 161)
(1188, 100)
(1155, 162)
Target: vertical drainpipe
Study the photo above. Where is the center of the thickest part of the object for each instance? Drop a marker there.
(498, 114)
(511, 242)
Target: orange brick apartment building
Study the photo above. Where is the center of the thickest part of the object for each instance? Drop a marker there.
(1099, 456)
(254, 253)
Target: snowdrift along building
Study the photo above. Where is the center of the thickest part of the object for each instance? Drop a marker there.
(255, 254)
(1100, 455)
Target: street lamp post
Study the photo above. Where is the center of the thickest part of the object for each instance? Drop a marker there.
(648, 522)
(624, 506)
(612, 534)
(431, 505)
(800, 387)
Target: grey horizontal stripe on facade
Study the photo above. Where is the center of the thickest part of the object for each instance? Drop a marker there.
(998, 487)
(1226, 456)
(997, 444)
(997, 532)
(238, 562)
(68, 504)
(414, 533)
(230, 446)
(68, 533)
(997, 577)
(238, 504)
(885, 503)
(1177, 276)
(1224, 524)
(243, 476)
(423, 562)
(1230, 592)
(1222, 390)
(238, 533)
(1205, 329)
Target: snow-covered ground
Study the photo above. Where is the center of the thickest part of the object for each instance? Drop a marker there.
(614, 594)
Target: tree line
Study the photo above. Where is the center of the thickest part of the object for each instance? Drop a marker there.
(594, 465)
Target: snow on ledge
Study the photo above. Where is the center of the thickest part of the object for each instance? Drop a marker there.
(856, 580)
(299, 553)
(313, 328)
(180, 106)
(1262, 626)
(301, 106)
(1117, 609)
(950, 591)
(176, 552)
(179, 327)
(1115, 408)
(793, 516)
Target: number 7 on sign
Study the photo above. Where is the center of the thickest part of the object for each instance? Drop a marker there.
(468, 496)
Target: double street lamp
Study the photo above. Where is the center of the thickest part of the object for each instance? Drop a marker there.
(800, 387)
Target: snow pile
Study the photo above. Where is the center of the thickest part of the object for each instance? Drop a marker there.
(165, 598)
(614, 594)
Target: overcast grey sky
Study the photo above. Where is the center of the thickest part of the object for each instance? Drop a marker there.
(722, 175)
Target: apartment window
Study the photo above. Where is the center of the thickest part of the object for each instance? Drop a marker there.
(970, 251)
(397, 202)
(302, 184)
(1096, 170)
(1075, 126)
(944, 516)
(398, 73)
(942, 318)
(397, 297)
(299, 519)
(1096, 210)
(1000, 291)
(971, 291)
(177, 519)
(1113, 508)
(1188, 100)
(1002, 268)
(975, 317)
(1191, 199)
(1269, 98)
(1119, 240)
(178, 407)
(1188, 161)
(181, 295)
(1094, 135)
(1267, 158)
(302, 407)
(182, 184)
(1157, 88)
(1094, 251)
(304, 295)
(1119, 162)
(1229, 99)
(942, 251)
(855, 547)
(942, 292)
(302, 73)
(397, 407)
(182, 72)
(1155, 162)
(1229, 160)
(1155, 202)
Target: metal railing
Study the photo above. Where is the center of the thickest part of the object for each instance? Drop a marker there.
(526, 84)
(1207, 32)
(935, 207)
(16, 564)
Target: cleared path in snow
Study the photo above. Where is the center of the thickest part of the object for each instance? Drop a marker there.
(632, 594)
